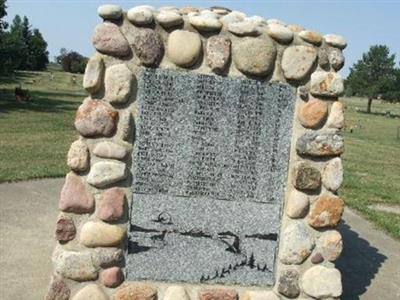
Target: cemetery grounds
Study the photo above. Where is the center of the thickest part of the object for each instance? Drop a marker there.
(35, 137)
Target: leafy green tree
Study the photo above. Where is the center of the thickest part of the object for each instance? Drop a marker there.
(38, 51)
(72, 61)
(373, 75)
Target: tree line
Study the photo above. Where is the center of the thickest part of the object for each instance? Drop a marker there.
(21, 48)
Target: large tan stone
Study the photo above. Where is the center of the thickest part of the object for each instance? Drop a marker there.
(91, 292)
(335, 41)
(176, 293)
(330, 245)
(104, 173)
(108, 149)
(74, 265)
(313, 113)
(297, 243)
(297, 205)
(218, 294)
(259, 295)
(254, 56)
(312, 37)
(94, 71)
(336, 116)
(100, 234)
(280, 33)
(326, 211)
(326, 84)
(297, 61)
(118, 83)
(136, 292)
(184, 47)
(321, 282)
(332, 175)
(78, 156)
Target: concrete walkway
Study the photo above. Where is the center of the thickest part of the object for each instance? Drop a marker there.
(370, 262)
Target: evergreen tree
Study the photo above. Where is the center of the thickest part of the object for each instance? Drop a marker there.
(3, 13)
(373, 75)
(39, 53)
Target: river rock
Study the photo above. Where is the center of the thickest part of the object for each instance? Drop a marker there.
(297, 205)
(297, 61)
(100, 234)
(233, 17)
(136, 292)
(218, 52)
(336, 116)
(336, 59)
(169, 19)
(324, 143)
(111, 207)
(75, 197)
(96, 118)
(109, 40)
(254, 56)
(297, 243)
(280, 33)
(104, 173)
(321, 282)
(306, 177)
(112, 277)
(218, 294)
(245, 28)
(326, 211)
(78, 156)
(74, 265)
(65, 229)
(327, 84)
(205, 23)
(58, 289)
(148, 47)
(259, 295)
(91, 292)
(176, 293)
(312, 37)
(332, 175)
(140, 15)
(108, 149)
(106, 257)
(288, 283)
(93, 77)
(313, 113)
(118, 83)
(295, 28)
(184, 47)
(330, 245)
(110, 12)
(335, 41)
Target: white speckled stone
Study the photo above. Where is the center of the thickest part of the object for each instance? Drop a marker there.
(140, 15)
(335, 41)
(176, 293)
(108, 149)
(169, 19)
(330, 245)
(244, 28)
(91, 292)
(205, 23)
(233, 17)
(118, 83)
(280, 33)
(297, 205)
(110, 11)
(321, 282)
(92, 80)
(297, 243)
(74, 265)
(332, 175)
(329, 84)
(336, 116)
(297, 61)
(104, 173)
(100, 234)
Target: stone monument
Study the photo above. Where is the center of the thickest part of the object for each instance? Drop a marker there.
(208, 161)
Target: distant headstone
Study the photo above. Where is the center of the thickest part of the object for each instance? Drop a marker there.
(209, 171)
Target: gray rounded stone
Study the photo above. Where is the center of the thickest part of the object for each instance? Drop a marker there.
(118, 83)
(110, 12)
(288, 283)
(169, 19)
(148, 47)
(297, 61)
(297, 205)
(320, 143)
(312, 37)
(321, 282)
(104, 173)
(91, 292)
(108, 149)
(233, 17)
(297, 243)
(245, 28)
(280, 33)
(140, 15)
(106, 257)
(205, 23)
(94, 71)
(254, 56)
(275, 21)
(306, 177)
(335, 41)
(109, 40)
(332, 175)
(336, 116)
(184, 47)
(336, 58)
(78, 156)
(74, 265)
(218, 53)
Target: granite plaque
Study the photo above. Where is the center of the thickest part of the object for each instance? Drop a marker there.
(209, 171)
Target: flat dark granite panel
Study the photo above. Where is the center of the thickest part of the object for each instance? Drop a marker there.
(209, 172)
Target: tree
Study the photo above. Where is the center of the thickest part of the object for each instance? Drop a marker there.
(72, 61)
(38, 51)
(373, 75)
(3, 13)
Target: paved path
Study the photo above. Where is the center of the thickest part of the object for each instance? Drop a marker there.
(28, 210)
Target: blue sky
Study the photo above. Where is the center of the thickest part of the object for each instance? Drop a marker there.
(70, 23)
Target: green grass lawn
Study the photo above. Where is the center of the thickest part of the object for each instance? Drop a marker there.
(372, 162)
(35, 136)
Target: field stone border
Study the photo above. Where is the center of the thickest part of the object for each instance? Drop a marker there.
(89, 257)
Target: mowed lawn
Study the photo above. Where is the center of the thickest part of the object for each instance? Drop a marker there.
(35, 136)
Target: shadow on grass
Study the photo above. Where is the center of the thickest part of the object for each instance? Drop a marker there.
(359, 263)
(377, 113)
(40, 101)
